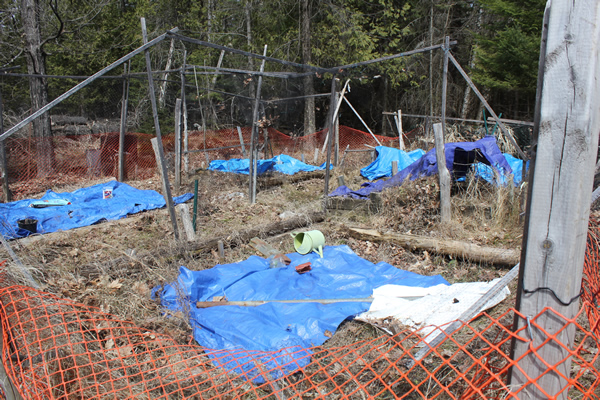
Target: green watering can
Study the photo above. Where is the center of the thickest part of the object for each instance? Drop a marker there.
(305, 242)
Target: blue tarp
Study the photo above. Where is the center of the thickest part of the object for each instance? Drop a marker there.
(87, 207)
(382, 166)
(459, 159)
(486, 172)
(281, 163)
(287, 329)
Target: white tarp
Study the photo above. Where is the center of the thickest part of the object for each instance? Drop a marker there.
(438, 306)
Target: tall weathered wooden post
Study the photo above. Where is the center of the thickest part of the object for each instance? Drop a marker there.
(568, 123)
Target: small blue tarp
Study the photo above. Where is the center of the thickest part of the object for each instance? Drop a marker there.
(487, 173)
(87, 207)
(281, 163)
(288, 329)
(382, 166)
(460, 157)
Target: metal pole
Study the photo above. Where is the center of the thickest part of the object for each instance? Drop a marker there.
(159, 145)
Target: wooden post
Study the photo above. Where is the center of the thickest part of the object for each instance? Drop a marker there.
(162, 171)
(254, 138)
(186, 157)
(558, 201)
(3, 159)
(336, 108)
(394, 167)
(221, 248)
(329, 140)
(336, 151)
(398, 118)
(302, 157)
(123, 127)
(341, 181)
(177, 144)
(244, 154)
(316, 155)
(186, 221)
(195, 211)
(446, 49)
(344, 156)
(443, 173)
(157, 141)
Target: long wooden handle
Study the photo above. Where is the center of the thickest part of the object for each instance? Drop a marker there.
(253, 303)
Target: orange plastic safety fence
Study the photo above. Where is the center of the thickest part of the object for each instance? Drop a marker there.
(54, 348)
(58, 349)
(87, 157)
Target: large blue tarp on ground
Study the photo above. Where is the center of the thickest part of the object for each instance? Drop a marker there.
(382, 166)
(87, 207)
(287, 329)
(281, 163)
(460, 157)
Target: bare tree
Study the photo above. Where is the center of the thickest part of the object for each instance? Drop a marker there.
(309, 102)
(38, 86)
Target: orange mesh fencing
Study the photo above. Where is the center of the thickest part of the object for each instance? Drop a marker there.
(54, 348)
(81, 157)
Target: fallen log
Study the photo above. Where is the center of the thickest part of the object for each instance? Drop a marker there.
(464, 250)
(196, 249)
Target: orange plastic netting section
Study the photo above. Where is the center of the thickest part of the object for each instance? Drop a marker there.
(97, 155)
(58, 349)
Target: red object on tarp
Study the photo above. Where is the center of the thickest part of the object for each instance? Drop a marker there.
(302, 268)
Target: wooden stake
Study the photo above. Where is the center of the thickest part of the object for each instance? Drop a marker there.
(162, 168)
(329, 140)
(446, 50)
(331, 117)
(394, 167)
(244, 154)
(443, 173)
(221, 248)
(123, 127)
(157, 141)
(398, 119)
(558, 201)
(254, 138)
(186, 157)
(184, 214)
(341, 181)
(316, 156)
(177, 144)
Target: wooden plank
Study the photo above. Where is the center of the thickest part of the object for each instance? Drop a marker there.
(558, 200)
(123, 126)
(475, 121)
(465, 250)
(177, 144)
(157, 141)
(444, 175)
(186, 221)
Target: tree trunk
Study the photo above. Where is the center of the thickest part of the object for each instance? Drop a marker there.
(38, 87)
(308, 82)
(248, 9)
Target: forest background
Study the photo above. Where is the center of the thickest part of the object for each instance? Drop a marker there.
(497, 43)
